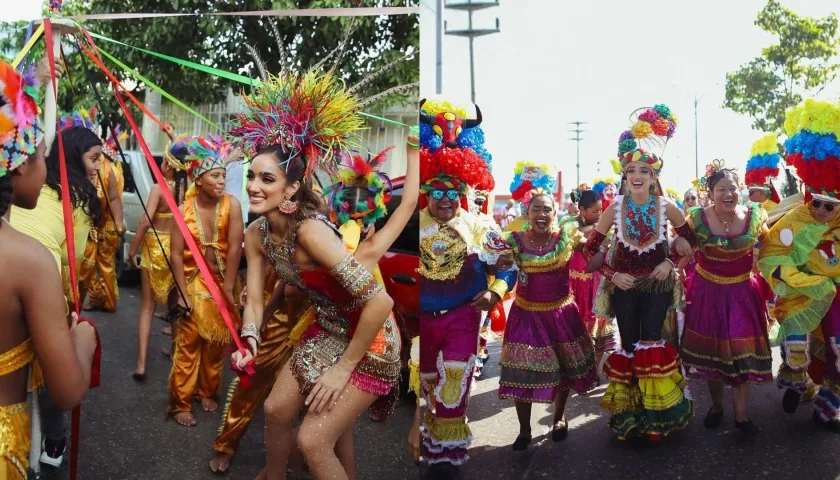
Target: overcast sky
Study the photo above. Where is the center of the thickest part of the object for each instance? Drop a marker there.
(557, 62)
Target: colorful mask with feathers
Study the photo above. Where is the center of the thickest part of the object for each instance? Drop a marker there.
(356, 172)
(20, 129)
(529, 179)
(313, 114)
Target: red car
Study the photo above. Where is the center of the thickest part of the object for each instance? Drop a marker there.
(400, 271)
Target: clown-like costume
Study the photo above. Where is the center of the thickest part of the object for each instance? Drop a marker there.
(799, 259)
(201, 336)
(646, 394)
(457, 256)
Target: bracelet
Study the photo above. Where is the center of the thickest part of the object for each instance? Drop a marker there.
(249, 330)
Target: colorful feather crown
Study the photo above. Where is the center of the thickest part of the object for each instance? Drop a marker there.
(813, 147)
(355, 172)
(20, 129)
(764, 161)
(205, 154)
(311, 114)
(652, 127)
(80, 118)
(529, 179)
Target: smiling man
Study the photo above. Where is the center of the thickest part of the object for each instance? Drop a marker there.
(459, 253)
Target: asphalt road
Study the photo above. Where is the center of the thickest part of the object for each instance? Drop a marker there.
(125, 435)
(789, 446)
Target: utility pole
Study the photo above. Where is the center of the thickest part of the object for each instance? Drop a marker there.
(696, 142)
(577, 131)
(471, 33)
(439, 48)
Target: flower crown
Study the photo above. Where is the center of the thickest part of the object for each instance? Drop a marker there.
(711, 169)
(652, 127)
(356, 172)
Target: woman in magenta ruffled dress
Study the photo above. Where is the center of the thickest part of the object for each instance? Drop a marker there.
(546, 350)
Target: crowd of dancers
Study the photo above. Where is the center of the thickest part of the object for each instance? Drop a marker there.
(699, 286)
(321, 343)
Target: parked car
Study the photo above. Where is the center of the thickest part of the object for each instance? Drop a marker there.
(400, 270)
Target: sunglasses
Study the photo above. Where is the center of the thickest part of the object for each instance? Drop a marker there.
(828, 206)
(450, 194)
(690, 198)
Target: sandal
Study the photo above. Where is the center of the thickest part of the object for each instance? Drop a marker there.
(748, 427)
(558, 434)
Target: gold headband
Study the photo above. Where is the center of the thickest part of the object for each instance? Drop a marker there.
(171, 160)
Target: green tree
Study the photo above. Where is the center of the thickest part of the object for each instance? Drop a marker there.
(221, 42)
(800, 64)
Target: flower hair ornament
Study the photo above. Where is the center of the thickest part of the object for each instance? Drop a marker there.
(712, 168)
(356, 172)
(20, 129)
(574, 195)
(813, 148)
(530, 179)
(310, 114)
(651, 127)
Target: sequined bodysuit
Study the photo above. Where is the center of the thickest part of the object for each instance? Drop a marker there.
(338, 314)
(14, 419)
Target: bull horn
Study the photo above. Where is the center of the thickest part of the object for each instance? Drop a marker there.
(476, 122)
(424, 117)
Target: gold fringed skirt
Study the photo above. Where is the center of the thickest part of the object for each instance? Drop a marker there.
(153, 260)
(14, 441)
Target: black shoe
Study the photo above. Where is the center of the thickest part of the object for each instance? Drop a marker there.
(748, 427)
(713, 419)
(833, 426)
(521, 443)
(52, 454)
(443, 471)
(790, 402)
(558, 434)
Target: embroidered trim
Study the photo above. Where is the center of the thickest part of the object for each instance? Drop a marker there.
(356, 279)
(574, 274)
(543, 306)
(466, 373)
(661, 225)
(720, 279)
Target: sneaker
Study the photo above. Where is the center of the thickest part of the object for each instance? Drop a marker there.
(52, 453)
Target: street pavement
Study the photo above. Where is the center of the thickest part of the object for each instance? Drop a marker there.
(789, 446)
(125, 434)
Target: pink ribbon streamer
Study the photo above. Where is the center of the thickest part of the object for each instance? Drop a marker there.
(289, 12)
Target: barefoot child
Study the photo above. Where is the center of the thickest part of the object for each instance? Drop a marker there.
(214, 219)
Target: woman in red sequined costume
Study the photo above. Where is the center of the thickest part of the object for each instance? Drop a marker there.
(292, 125)
(646, 391)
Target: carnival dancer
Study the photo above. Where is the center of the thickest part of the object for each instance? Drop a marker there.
(214, 219)
(97, 272)
(45, 223)
(798, 258)
(275, 350)
(156, 278)
(646, 391)
(457, 253)
(583, 282)
(293, 124)
(606, 188)
(547, 351)
(725, 336)
(40, 341)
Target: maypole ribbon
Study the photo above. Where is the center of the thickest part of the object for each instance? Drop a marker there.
(246, 373)
(26, 48)
(289, 12)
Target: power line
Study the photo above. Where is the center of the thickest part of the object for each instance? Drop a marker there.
(471, 33)
(577, 131)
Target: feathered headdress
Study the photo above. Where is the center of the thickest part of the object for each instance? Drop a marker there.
(109, 146)
(574, 195)
(20, 129)
(651, 127)
(80, 118)
(205, 154)
(813, 130)
(176, 152)
(764, 161)
(356, 172)
(444, 167)
(529, 179)
(311, 114)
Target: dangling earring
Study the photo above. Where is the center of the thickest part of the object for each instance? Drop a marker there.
(652, 188)
(288, 207)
